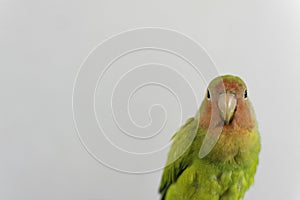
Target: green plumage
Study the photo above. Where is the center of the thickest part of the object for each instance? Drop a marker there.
(226, 173)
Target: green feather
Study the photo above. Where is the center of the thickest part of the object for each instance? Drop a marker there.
(192, 178)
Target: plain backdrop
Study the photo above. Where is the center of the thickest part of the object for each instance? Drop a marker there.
(43, 43)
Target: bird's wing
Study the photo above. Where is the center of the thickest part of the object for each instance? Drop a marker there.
(178, 157)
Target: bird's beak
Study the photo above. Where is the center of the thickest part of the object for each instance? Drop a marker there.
(227, 105)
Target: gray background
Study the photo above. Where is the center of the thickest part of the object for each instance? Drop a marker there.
(42, 44)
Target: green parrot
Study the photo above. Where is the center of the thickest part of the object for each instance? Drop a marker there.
(214, 155)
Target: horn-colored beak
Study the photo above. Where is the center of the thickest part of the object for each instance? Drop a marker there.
(227, 105)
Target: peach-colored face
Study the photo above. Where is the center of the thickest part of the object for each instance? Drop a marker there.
(227, 104)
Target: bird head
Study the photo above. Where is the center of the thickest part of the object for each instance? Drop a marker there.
(227, 104)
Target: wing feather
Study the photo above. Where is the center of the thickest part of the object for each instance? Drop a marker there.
(178, 159)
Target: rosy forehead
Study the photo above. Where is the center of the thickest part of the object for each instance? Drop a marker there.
(229, 86)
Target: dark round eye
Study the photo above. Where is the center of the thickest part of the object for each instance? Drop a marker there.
(208, 94)
(245, 94)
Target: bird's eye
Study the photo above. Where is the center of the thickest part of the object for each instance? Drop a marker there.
(245, 94)
(208, 94)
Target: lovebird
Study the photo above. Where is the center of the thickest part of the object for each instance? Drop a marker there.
(214, 155)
